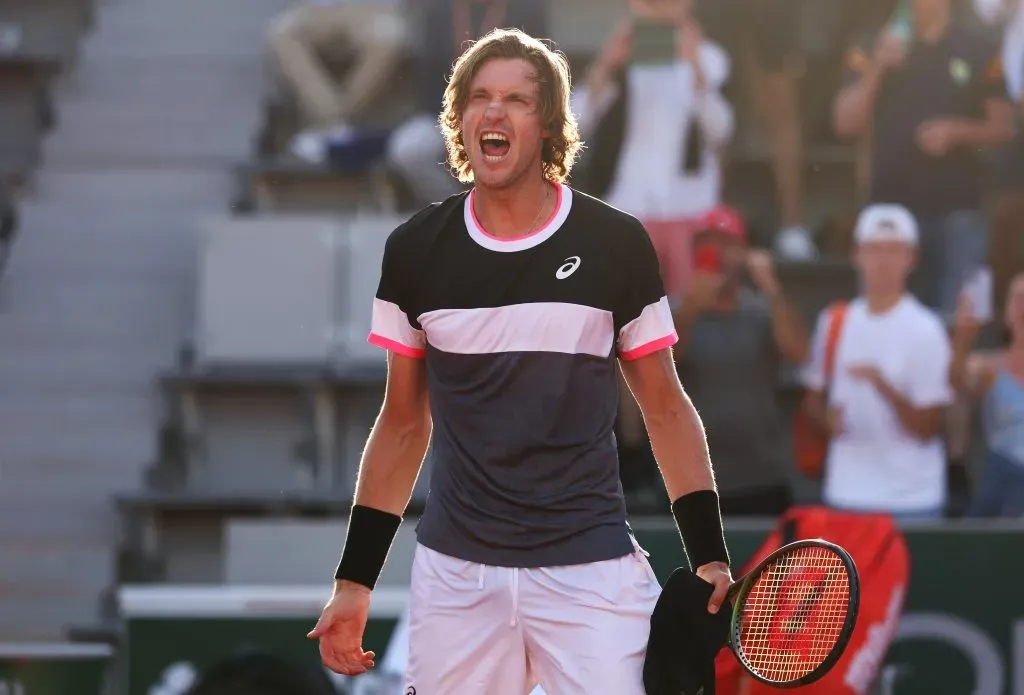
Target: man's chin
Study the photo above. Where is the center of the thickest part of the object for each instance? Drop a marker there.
(495, 180)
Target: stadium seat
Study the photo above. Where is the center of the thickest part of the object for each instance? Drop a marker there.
(287, 185)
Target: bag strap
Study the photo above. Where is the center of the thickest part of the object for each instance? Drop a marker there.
(836, 317)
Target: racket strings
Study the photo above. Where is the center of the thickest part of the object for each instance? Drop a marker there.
(794, 614)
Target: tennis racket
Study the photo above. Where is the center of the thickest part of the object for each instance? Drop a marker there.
(793, 615)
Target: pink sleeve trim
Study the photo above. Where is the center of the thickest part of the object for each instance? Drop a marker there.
(647, 348)
(396, 347)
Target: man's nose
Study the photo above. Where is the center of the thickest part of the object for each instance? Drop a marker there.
(495, 108)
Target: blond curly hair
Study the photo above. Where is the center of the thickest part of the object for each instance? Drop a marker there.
(552, 75)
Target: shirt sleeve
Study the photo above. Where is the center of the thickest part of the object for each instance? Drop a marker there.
(929, 384)
(393, 327)
(990, 80)
(812, 373)
(643, 320)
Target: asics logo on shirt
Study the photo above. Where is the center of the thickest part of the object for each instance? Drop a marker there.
(568, 268)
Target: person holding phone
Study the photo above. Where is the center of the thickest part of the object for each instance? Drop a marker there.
(655, 121)
(652, 112)
(732, 341)
(926, 99)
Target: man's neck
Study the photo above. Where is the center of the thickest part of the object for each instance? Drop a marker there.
(932, 28)
(882, 302)
(514, 211)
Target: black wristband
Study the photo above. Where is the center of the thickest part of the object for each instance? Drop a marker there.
(367, 544)
(699, 520)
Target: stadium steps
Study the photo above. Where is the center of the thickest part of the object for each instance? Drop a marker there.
(98, 291)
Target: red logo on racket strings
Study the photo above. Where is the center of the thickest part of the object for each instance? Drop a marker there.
(798, 608)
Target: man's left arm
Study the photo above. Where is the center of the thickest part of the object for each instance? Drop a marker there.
(924, 422)
(921, 410)
(789, 331)
(994, 125)
(681, 450)
(644, 335)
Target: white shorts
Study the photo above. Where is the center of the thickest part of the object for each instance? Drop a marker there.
(574, 630)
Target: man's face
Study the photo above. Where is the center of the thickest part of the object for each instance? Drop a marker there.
(667, 11)
(501, 125)
(927, 9)
(730, 252)
(885, 265)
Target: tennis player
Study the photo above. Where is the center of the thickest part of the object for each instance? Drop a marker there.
(503, 311)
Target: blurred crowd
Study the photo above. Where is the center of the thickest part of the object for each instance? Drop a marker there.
(928, 95)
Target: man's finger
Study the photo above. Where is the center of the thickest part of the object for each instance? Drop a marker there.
(319, 630)
(329, 659)
(718, 596)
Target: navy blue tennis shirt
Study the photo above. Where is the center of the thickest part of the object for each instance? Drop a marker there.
(520, 338)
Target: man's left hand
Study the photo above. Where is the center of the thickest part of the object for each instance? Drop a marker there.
(761, 269)
(866, 372)
(717, 574)
(937, 136)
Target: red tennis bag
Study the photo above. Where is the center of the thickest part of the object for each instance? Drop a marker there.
(879, 550)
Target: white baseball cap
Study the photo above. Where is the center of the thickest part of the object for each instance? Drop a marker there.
(886, 222)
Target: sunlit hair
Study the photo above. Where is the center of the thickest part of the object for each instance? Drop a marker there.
(551, 72)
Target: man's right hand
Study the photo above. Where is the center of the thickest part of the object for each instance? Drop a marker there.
(703, 291)
(965, 325)
(340, 630)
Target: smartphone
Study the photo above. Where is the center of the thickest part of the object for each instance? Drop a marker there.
(653, 43)
(707, 259)
(978, 289)
(901, 22)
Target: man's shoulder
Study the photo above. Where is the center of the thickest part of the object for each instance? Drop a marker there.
(603, 219)
(426, 223)
(916, 322)
(925, 322)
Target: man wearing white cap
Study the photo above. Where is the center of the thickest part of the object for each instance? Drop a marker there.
(884, 401)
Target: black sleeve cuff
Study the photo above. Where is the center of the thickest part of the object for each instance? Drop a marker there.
(367, 544)
(699, 519)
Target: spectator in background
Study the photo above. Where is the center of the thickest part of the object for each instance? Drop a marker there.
(778, 66)
(416, 150)
(774, 63)
(996, 380)
(655, 121)
(884, 404)
(372, 32)
(926, 99)
(1007, 243)
(732, 342)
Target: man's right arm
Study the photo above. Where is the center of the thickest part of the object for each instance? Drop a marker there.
(398, 441)
(814, 378)
(851, 112)
(388, 469)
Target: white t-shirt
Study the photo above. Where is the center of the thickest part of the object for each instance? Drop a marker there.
(875, 464)
(649, 180)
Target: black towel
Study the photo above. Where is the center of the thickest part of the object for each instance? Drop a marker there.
(685, 638)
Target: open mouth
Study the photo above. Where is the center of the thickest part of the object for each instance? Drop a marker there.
(495, 146)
